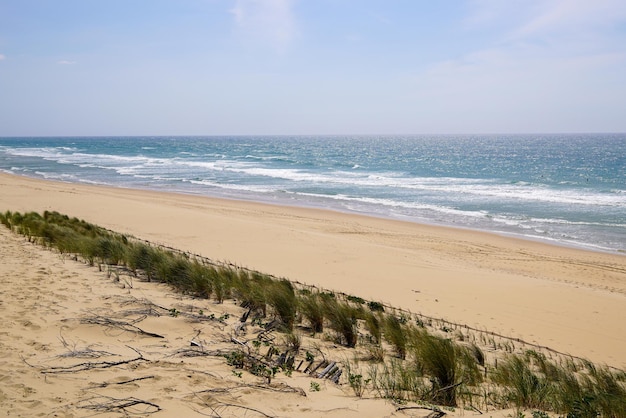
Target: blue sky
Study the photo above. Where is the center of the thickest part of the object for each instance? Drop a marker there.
(262, 67)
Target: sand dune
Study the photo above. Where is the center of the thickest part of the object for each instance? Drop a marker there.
(77, 341)
(64, 352)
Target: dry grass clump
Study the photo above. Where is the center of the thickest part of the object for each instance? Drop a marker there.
(430, 363)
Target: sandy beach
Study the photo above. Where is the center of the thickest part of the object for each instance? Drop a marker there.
(570, 300)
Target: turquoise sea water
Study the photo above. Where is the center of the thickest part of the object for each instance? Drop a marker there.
(567, 189)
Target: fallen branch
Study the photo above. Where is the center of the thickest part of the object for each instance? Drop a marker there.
(125, 326)
(124, 382)
(280, 387)
(87, 352)
(437, 413)
(108, 404)
(90, 365)
(216, 405)
(231, 405)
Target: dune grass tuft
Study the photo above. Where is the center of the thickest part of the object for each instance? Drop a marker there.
(282, 299)
(342, 318)
(312, 309)
(396, 334)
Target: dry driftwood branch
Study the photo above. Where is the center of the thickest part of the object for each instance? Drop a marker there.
(88, 366)
(109, 404)
(281, 387)
(216, 405)
(105, 384)
(437, 413)
(247, 408)
(125, 326)
(91, 365)
(276, 387)
(476, 409)
(87, 352)
(192, 352)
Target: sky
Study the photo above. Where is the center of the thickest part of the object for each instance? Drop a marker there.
(270, 67)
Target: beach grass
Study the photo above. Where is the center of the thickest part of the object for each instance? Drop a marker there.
(429, 363)
(312, 310)
(397, 334)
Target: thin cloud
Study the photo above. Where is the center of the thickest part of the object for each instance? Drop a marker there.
(527, 33)
(271, 21)
(574, 16)
(2, 57)
(65, 62)
(527, 19)
(540, 58)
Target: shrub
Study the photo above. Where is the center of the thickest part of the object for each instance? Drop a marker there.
(355, 299)
(376, 306)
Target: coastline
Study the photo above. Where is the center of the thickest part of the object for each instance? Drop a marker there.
(569, 299)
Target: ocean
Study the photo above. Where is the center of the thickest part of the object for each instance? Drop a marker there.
(564, 189)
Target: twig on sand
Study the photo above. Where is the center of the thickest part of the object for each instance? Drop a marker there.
(191, 352)
(437, 413)
(91, 365)
(225, 405)
(125, 326)
(279, 387)
(124, 382)
(109, 404)
(232, 405)
(215, 405)
(87, 352)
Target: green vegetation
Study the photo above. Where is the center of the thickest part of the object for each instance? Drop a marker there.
(531, 381)
(311, 308)
(407, 357)
(397, 334)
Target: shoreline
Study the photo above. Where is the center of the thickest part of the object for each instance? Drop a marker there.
(565, 298)
(587, 247)
(584, 246)
(512, 235)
